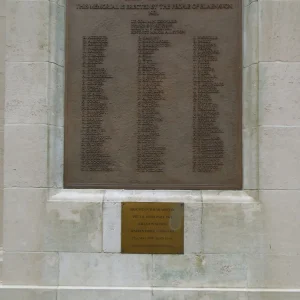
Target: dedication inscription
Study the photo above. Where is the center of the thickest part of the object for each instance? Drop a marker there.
(153, 94)
(152, 227)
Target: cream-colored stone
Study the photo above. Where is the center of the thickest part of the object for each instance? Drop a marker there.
(30, 268)
(105, 269)
(26, 93)
(250, 97)
(227, 196)
(25, 156)
(193, 240)
(24, 219)
(56, 157)
(27, 30)
(57, 34)
(56, 95)
(2, 8)
(26, 294)
(112, 227)
(196, 295)
(73, 227)
(250, 45)
(76, 195)
(152, 196)
(279, 91)
(282, 222)
(104, 294)
(232, 228)
(207, 270)
(273, 271)
(2, 42)
(279, 295)
(250, 158)
(248, 2)
(279, 158)
(279, 31)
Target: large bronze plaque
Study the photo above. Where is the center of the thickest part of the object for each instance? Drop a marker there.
(153, 94)
(152, 227)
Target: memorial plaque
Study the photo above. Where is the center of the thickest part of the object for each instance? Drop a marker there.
(153, 94)
(152, 227)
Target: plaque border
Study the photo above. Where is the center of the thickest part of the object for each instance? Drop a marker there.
(237, 185)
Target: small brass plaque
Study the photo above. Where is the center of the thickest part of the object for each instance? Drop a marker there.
(151, 227)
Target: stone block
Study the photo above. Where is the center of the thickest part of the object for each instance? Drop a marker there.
(232, 228)
(104, 294)
(73, 227)
(105, 269)
(279, 295)
(279, 31)
(112, 227)
(273, 271)
(197, 295)
(193, 223)
(27, 31)
(2, 40)
(279, 158)
(56, 95)
(279, 91)
(25, 156)
(57, 34)
(56, 157)
(152, 196)
(30, 268)
(26, 93)
(282, 222)
(24, 219)
(206, 270)
(250, 43)
(26, 294)
(2, 8)
(250, 158)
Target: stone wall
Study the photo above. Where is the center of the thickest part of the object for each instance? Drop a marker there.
(65, 244)
(2, 92)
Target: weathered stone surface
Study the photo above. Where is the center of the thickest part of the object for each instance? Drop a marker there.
(30, 268)
(197, 295)
(28, 102)
(279, 31)
(279, 158)
(232, 228)
(27, 294)
(25, 156)
(24, 219)
(72, 226)
(282, 222)
(105, 269)
(250, 45)
(104, 294)
(204, 270)
(27, 31)
(273, 271)
(279, 90)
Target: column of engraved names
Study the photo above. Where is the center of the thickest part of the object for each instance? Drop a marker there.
(208, 147)
(150, 154)
(94, 105)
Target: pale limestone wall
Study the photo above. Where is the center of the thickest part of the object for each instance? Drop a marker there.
(2, 92)
(65, 244)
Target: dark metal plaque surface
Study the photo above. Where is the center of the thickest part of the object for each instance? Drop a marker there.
(152, 227)
(153, 94)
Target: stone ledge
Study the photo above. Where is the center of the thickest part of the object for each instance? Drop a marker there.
(190, 196)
